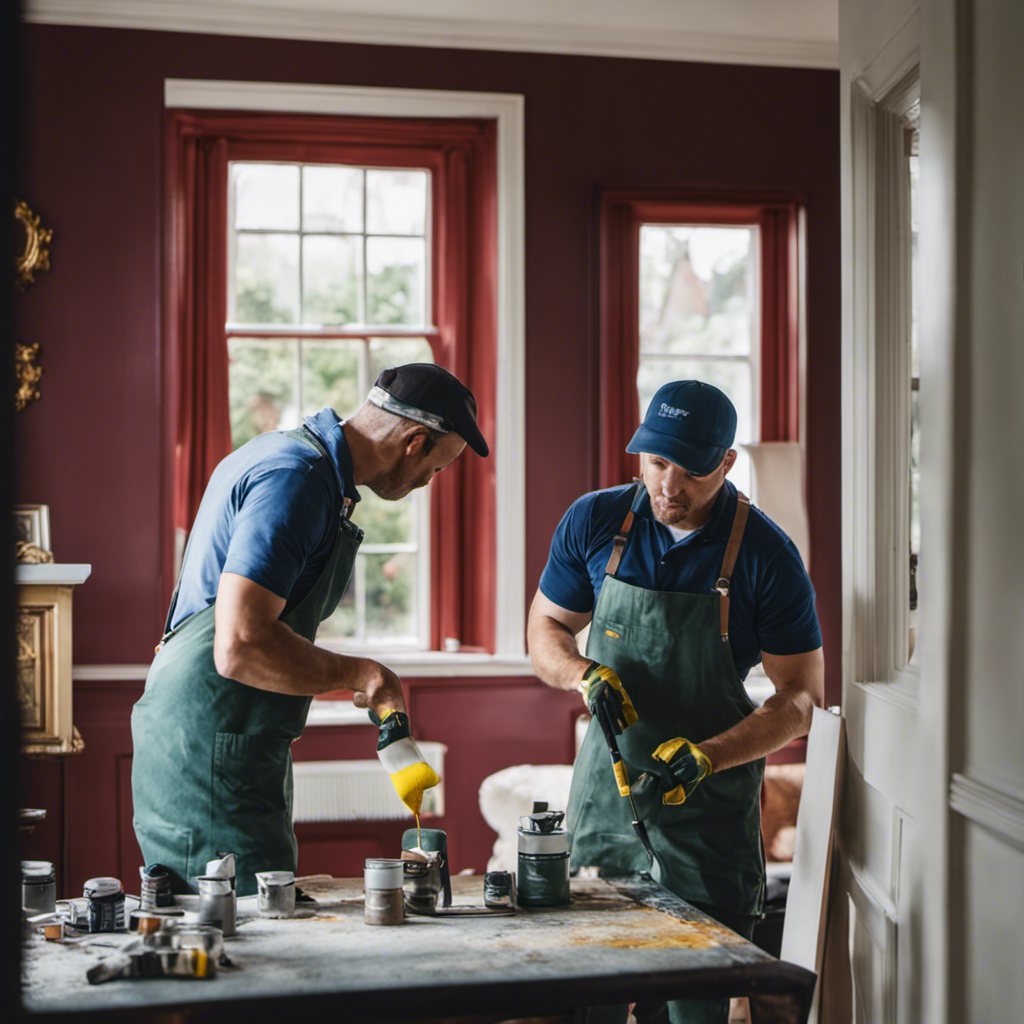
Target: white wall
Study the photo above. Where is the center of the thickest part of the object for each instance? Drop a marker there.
(931, 879)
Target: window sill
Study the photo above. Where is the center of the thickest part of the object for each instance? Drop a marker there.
(447, 664)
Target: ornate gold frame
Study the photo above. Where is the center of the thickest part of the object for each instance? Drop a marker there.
(26, 375)
(37, 247)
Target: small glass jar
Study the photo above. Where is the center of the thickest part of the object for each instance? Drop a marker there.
(38, 887)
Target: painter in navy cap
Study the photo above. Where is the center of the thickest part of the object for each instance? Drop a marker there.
(430, 395)
(690, 423)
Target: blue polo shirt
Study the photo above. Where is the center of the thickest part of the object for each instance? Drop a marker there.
(270, 513)
(771, 605)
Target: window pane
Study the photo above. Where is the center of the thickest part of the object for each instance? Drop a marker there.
(385, 352)
(342, 625)
(262, 387)
(266, 195)
(387, 522)
(696, 289)
(331, 273)
(391, 595)
(396, 202)
(332, 198)
(330, 376)
(395, 270)
(266, 279)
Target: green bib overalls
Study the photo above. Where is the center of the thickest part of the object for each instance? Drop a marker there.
(671, 651)
(212, 766)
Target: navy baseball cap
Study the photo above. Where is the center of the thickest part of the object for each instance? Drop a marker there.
(429, 394)
(690, 423)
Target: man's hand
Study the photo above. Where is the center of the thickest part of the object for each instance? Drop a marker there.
(410, 774)
(601, 683)
(380, 689)
(685, 766)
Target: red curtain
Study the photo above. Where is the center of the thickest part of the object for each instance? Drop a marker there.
(622, 213)
(197, 306)
(461, 155)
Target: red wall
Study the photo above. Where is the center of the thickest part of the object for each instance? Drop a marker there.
(91, 448)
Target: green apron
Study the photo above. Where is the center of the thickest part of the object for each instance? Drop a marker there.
(671, 651)
(212, 765)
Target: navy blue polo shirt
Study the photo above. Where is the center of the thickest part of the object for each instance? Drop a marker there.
(771, 605)
(270, 513)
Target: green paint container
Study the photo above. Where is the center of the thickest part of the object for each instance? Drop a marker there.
(543, 876)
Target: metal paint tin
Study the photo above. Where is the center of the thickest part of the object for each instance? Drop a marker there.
(217, 903)
(543, 860)
(384, 902)
(499, 889)
(106, 904)
(276, 891)
(38, 887)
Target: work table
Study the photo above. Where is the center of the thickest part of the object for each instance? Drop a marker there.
(618, 939)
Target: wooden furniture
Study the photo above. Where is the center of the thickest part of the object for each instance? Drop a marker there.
(43, 662)
(621, 939)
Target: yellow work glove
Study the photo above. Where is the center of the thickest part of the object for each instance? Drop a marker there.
(410, 774)
(600, 679)
(686, 765)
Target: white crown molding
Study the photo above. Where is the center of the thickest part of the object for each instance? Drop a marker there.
(329, 26)
(987, 802)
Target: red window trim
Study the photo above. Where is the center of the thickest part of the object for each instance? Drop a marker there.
(622, 211)
(461, 155)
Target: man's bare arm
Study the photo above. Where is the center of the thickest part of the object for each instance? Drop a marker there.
(799, 687)
(253, 646)
(551, 636)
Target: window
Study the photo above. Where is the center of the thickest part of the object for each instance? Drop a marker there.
(322, 258)
(447, 289)
(701, 286)
(698, 301)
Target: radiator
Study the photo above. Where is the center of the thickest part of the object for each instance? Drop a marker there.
(359, 790)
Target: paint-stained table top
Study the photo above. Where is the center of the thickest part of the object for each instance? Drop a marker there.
(619, 940)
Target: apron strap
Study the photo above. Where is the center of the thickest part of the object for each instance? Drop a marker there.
(619, 544)
(732, 549)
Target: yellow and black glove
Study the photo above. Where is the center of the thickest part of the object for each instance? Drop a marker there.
(600, 680)
(685, 766)
(410, 774)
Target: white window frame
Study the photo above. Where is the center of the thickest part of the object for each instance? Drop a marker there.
(508, 444)
(364, 332)
(877, 370)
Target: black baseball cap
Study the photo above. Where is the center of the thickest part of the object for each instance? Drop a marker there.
(690, 423)
(429, 394)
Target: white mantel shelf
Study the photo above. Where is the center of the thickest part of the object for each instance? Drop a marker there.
(54, 574)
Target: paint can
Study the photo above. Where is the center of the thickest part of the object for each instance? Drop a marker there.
(499, 889)
(106, 904)
(543, 877)
(383, 879)
(38, 887)
(155, 892)
(276, 892)
(217, 903)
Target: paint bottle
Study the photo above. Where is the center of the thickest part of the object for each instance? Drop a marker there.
(383, 879)
(543, 877)
(106, 904)
(38, 887)
(217, 903)
(276, 893)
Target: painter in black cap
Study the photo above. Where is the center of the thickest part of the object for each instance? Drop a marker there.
(430, 395)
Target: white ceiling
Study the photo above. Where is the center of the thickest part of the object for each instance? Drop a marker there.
(802, 33)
